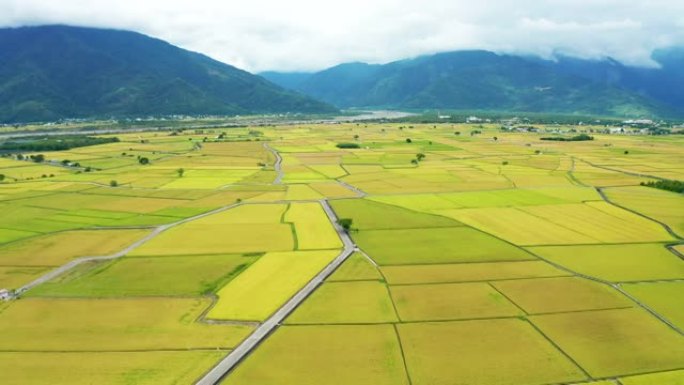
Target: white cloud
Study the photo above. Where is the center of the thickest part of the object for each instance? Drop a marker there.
(306, 34)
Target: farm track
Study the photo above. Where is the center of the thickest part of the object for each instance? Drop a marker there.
(278, 165)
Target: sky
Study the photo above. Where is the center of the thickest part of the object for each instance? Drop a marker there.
(308, 35)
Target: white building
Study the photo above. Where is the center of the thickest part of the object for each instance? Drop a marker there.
(5, 294)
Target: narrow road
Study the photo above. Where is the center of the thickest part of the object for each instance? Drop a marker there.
(219, 371)
(278, 165)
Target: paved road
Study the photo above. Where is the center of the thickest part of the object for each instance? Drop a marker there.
(278, 165)
(234, 357)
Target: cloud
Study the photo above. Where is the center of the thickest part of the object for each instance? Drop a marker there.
(308, 35)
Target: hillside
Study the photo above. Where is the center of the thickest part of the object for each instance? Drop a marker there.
(481, 80)
(54, 72)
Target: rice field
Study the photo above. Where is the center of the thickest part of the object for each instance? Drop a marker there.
(490, 262)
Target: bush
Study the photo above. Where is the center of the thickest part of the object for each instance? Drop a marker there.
(345, 223)
(142, 160)
(348, 145)
(113, 183)
(577, 138)
(669, 185)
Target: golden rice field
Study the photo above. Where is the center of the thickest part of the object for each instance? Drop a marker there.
(512, 261)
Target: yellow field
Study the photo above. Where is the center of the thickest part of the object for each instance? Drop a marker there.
(564, 294)
(312, 226)
(675, 377)
(13, 277)
(483, 352)
(58, 248)
(615, 342)
(465, 272)
(451, 302)
(619, 263)
(116, 368)
(346, 302)
(664, 206)
(663, 297)
(113, 324)
(356, 268)
(332, 355)
(268, 283)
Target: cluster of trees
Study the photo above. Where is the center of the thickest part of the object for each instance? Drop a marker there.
(348, 145)
(419, 158)
(54, 144)
(669, 185)
(576, 138)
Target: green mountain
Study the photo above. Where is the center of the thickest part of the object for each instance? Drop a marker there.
(54, 72)
(476, 80)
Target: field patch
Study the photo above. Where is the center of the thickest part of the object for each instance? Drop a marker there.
(268, 283)
(12, 277)
(113, 324)
(662, 205)
(552, 295)
(436, 245)
(615, 342)
(675, 377)
(450, 302)
(371, 215)
(331, 355)
(356, 268)
(617, 263)
(484, 352)
(313, 228)
(466, 272)
(169, 275)
(56, 249)
(144, 368)
(663, 297)
(346, 302)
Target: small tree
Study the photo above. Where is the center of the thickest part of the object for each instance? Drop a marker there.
(180, 172)
(345, 223)
(505, 162)
(408, 140)
(2, 177)
(143, 160)
(420, 156)
(356, 137)
(414, 162)
(113, 183)
(626, 152)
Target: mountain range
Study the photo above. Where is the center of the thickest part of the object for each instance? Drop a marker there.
(49, 73)
(54, 72)
(482, 80)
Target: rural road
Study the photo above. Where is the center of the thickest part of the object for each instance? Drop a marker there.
(278, 165)
(241, 351)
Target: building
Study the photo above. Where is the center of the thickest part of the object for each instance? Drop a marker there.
(5, 294)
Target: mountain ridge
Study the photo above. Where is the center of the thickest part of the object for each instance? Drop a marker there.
(56, 72)
(484, 80)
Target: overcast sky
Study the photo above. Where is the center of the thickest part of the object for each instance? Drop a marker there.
(301, 35)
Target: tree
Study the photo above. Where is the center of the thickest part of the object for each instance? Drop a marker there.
(113, 183)
(2, 177)
(626, 152)
(414, 161)
(420, 156)
(408, 140)
(505, 162)
(345, 223)
(180, 172)
(356, 137)
(143, 160)
(38, 158)
(495, 138)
